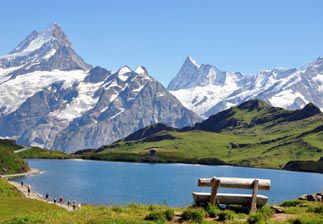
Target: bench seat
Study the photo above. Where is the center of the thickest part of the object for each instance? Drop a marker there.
(222, 198)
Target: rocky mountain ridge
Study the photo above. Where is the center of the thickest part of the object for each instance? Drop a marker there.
(207, 90)
(53, 99)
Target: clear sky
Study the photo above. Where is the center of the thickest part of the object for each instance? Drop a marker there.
(241, 35)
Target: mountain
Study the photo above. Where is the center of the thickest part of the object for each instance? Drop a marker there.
(52, 99)
(250, 134)
(207, 90)
(45, 51)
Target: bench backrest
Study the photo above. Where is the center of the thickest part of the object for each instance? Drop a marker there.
(231, 182)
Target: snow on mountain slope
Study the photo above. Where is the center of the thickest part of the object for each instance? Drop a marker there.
(16, 91)
(45, 51)
(51, 98)
(207, 90)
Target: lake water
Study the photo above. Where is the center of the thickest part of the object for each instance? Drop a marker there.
(119, 183)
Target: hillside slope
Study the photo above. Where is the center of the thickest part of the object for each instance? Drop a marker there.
(251, 134)
(9, 161)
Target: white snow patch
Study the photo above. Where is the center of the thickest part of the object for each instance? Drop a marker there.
(285, 98)
(140, 70)
(84, 101)
(16, 91)
(124, 72)
(49, 54)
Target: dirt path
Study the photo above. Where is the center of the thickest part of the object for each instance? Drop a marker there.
(36, 196)
(31, 172)
(23, 149)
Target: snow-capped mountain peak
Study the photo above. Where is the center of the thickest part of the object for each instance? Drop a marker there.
(190, 61)
(47, 50)
(207, 90)
(52, 99)
(141, 70)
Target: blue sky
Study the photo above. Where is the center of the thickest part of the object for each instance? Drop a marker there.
(241, 35)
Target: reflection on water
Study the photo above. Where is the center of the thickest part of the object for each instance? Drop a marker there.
(118, 183)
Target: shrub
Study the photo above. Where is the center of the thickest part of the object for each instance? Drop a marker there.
(266, 211)
(256, 218)
(195, 215)
(260, 216)
(155, 216)
(226, 215)
(291, 203)
(239, 209)
(316, 209)
(296, 221)
(212, 210)
(169, 214)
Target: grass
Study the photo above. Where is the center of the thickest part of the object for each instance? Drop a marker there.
(14, 208)
(264, 146)
(38, 153)
(9, 161)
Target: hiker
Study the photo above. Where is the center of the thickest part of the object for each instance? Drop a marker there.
(61, 200)
(46, 196)
(28, 189)
(68, 204)
(74, 205)
(22, 183)
(54, 200)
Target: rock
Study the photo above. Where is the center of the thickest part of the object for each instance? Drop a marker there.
(277, 209)
(303, 197)
(312, 197)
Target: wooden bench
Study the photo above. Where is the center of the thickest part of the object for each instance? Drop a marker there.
(229, 182)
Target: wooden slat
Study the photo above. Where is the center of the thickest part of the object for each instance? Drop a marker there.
(254, 196)
(222, 198)
(230, 182)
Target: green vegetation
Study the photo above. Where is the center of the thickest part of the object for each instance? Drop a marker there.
(14, 208)
(9, 161)
(38, 153)
(268, 145)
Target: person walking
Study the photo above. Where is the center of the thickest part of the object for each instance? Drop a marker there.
(46, 196)
(54, 200)
(29, 189)
(61, 200)
(22, 183)
(68, 204)
(74, 205)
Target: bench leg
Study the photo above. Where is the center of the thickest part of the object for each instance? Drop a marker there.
(254, 196)
(215, 187)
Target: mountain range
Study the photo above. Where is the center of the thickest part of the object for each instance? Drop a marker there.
(207, 90)
(52, 99)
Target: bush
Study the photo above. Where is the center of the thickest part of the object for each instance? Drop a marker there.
(309, 220)
(169, 214)
(155, 216)
(316, 209)
(226, 215)
(212, 210)
(296, 221)
(239, 209)
(256, 218)
(260, 216)
(291, 203)
(195, 215)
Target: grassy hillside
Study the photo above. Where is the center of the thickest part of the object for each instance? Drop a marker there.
(14, 208)
(9, 161)
(251, 134)
(38, 153)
